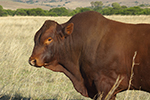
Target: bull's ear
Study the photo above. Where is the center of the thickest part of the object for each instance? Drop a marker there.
(69, 28)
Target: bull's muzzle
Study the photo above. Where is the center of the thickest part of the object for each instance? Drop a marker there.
(36, 62)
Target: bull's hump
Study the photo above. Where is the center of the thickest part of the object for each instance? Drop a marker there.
(86, 16)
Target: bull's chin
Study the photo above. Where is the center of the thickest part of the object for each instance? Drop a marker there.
(38, 66)
(42, 65)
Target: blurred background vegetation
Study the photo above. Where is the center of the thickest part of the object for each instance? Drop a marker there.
(115, 9)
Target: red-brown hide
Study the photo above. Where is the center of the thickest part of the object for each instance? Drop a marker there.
(93, 51)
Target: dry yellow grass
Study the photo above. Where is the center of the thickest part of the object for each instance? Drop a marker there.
(20, 80)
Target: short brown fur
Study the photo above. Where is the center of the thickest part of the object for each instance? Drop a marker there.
(93, 51)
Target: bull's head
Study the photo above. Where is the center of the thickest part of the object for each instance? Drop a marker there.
(47, 41)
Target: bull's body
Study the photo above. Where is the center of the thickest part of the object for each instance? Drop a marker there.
(93, 51)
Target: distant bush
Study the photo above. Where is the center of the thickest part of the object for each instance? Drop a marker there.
(62, 11)
(21, 12)
(2, 11)
(35, 12)
(10, 12)
(84, 9)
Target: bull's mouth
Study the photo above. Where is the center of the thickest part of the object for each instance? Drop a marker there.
(38, 66)
(43, 65)
(46, 64)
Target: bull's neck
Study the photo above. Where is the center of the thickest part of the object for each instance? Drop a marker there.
(69, 56)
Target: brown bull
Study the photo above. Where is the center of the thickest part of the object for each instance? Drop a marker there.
(93, 51)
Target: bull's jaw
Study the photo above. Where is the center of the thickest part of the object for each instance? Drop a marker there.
(54, 66)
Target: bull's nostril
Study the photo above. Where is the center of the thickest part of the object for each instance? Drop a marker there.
(32, 62)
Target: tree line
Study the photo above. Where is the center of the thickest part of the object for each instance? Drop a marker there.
(115, 9)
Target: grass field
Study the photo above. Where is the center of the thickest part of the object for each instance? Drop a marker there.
(20, 81)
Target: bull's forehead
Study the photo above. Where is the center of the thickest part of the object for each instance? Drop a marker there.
(46, 30)
(48, 25)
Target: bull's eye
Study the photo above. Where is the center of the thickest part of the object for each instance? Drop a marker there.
(48, 41)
